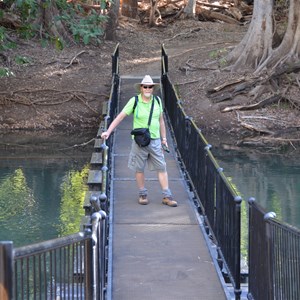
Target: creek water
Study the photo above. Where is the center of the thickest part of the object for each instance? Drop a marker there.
(272, 179)
(42, 186)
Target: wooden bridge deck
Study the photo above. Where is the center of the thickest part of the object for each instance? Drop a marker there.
(157, 252)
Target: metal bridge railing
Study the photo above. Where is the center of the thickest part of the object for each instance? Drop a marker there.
(219, 203)
(66, 268)
(273, 247)
(274, 257)
(74, 266)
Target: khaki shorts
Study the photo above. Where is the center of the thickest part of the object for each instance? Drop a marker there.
(151, 154)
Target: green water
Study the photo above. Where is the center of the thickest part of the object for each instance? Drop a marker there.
(273, 180)
(42, 189)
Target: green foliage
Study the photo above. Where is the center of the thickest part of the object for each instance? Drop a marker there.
(84, 27)
(5, 72)
(27, 9)
(62, 4)
(44, 43)
(22, 60)
(215, 54)
(27, 31)
(88, 28)
(2, 35)
(219, 54)
(4, 43)
(223, 62)
(59, 45)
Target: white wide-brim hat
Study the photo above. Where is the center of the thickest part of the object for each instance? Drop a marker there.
(147, 80)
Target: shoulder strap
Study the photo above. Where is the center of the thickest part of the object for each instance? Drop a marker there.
(135, 103)
(152, 107)
(157, 99)
(151, 112)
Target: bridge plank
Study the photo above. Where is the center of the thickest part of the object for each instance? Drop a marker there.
(96, 159)
(95, 177)
(158, 252)
(101, 129)
(98, 145)
(104, 108)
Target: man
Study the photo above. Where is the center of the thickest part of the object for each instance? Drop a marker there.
(153, 153)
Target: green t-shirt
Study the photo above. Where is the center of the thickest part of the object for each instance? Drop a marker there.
(142, 112)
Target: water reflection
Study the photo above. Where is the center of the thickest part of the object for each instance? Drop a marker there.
(272, 179)
(73, 191)
(42, 191)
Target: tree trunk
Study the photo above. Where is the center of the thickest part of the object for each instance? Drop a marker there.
(255, 51)
(190, 9)
(257, 43)
(48, 20)
(288, 50)
(129, 8)
(111, 25)
(152, 12)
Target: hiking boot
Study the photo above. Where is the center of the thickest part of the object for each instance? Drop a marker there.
(169, 201)
(143, 200)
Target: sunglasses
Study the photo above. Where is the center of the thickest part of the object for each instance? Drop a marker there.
(148, 86)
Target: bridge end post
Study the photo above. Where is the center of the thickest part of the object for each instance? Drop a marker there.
(6, 270)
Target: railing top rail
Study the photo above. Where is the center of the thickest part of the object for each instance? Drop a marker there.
(207, 147)
(49, 245)
(116, 51)
(115, 60)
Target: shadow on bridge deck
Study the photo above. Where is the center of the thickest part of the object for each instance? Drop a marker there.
(157, 252)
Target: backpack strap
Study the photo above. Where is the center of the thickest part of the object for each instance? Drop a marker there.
(151, 112)
(136, 102)
(157, 99)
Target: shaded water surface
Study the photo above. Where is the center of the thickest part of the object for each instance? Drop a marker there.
(273, 180)
(42, 187)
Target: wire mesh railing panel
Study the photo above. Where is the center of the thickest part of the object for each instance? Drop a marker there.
(209, 199)
(259, 286)
(50, 273)
(221, 211)
(285, 263)
(274, 251)
(228, 227)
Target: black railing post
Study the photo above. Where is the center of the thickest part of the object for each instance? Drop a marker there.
(270, 252)
(237, 250)
(164, 61)
(251, 200)
(6, 270)
(115, 61)
(89, 266)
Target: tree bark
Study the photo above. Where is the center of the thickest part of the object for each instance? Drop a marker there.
(190, 9)
(288, 50)
(256, 45)
(111, 25)
(255, 51)
(47, 19)
(152, 12)
(129, 8)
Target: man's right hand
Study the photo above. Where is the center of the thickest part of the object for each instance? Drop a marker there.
(105, 135)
